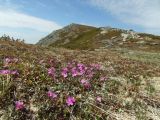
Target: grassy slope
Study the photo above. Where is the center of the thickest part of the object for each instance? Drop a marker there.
(131, 92)
(86, 41)
(82, 41)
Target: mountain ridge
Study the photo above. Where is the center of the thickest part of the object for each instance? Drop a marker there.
(77, 36)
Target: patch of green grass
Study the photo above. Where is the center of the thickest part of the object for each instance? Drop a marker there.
(113, 33)
(142, 56)
(85, 41)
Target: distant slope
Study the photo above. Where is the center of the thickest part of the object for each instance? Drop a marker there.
(83, 37)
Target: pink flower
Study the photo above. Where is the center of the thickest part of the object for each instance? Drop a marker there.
(70, 101)
(7, 60)
(5, 72)
(74, 72)
(81, 68)
(19, 105)
(51, 94)
(90, 73)
(65, 69)
(64, 72)
(99, 99)
(85, 83)
(51, 71)
(10, 60)
(103, 78)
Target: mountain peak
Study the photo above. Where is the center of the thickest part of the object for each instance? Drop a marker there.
(76, 25)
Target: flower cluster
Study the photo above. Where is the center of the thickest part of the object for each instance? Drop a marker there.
(8, 61)
(74, 69)
(11, 72)
(71, 78)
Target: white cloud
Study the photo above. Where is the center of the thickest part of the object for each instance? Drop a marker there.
(29, 35)
(144, 13)
(11, 18)
(20, 25)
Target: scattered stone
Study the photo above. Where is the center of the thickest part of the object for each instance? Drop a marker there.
(140, 42)
(104, 32)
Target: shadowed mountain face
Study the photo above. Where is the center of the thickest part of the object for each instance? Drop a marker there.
(75, 36)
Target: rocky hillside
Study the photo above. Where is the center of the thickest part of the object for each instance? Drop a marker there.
(77, 36)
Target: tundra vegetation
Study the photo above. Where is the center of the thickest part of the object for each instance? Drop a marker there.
(47, 83)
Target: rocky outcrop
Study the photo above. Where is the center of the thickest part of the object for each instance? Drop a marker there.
(129, 35)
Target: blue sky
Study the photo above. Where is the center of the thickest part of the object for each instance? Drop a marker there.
(34, 19)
